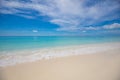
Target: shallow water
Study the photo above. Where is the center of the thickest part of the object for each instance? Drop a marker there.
(14, 50)
(8, 44)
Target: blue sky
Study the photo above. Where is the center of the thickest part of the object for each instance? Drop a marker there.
(59, 17)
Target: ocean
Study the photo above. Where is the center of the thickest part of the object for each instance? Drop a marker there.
(18, 49)
(13, 43)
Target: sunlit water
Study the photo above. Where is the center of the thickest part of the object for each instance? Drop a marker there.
(15, 50)
(33, 42)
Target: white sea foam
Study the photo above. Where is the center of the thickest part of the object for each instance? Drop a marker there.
(33, 55)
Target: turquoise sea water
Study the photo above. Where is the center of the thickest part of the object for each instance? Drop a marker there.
(14, 50)
(12, 43)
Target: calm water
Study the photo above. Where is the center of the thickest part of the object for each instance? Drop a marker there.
(14, 50)
(20, 43)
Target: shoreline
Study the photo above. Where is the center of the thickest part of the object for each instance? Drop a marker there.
(52, 53)
(100, 66)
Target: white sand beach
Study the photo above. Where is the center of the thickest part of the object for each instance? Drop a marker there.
(104, 64)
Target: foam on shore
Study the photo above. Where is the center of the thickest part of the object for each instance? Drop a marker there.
(33, 55)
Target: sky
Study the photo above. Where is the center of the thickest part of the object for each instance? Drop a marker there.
(59, 17)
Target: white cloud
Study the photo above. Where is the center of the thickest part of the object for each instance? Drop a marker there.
(91, 28)
(104, 27)
(68, 14)
(107, 27)
(35, 31)
(112, 26)
(27, 16)
(71, 28)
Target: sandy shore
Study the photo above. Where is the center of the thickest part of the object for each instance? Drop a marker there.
(103, 66)
(23, 56)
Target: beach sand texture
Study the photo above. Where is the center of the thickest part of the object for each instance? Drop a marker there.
(101, 66)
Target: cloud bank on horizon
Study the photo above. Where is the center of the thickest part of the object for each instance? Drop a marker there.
(69, 15)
